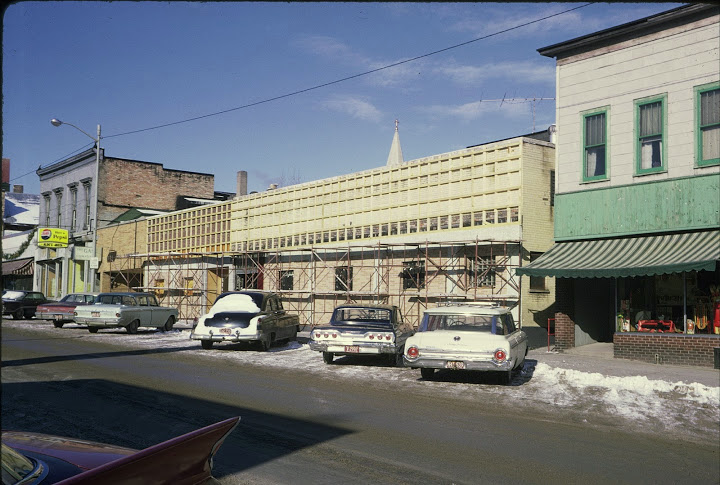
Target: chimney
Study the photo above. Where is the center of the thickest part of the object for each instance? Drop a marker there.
(241, 183)
(552, 132)
(18, 189)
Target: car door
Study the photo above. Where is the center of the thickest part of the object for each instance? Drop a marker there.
(144, 311)
(285, 321)
(272, 319)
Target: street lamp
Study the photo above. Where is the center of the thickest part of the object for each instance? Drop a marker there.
(57, 122)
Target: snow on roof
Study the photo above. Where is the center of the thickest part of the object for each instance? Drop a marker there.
(22, 209)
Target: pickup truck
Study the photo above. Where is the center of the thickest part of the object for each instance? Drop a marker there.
(126, 310)
(363, 329)
(246, 316)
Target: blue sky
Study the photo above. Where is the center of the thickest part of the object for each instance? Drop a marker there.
(130, 66)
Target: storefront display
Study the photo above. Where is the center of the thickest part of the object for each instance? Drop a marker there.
(686, 303)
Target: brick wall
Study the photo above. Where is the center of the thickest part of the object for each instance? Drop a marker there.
(677, 349)
(564, 316)
(130, 183)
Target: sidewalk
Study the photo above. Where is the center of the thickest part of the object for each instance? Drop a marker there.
(599, 358)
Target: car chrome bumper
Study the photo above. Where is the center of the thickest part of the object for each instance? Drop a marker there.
(100, 322)
(439, 363)
(252, 337)
(54, 316)
(363, 348)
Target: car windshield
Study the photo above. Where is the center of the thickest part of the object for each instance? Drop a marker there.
(475, 323)
(362, 315)
(12, 295)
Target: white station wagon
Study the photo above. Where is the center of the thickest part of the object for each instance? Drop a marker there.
(470, 336)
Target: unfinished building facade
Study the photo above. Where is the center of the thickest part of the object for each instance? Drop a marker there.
(447, 227)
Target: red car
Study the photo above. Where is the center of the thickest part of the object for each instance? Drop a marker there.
(44, 459)
(63, 311)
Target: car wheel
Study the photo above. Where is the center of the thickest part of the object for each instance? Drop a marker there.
(58, 324)
(92, 329)
(19, 314)
(133, 327)
(396, 359)
(427, 373)
(506, 377)
(265, 343)
(328, 357)
(169, 324)
(206, 344)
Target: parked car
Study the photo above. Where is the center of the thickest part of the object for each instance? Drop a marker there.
(467, 337)
(363, 329)
(63, 311)
(246, 316)
(21, 303)
(44, 459)
(126, 310)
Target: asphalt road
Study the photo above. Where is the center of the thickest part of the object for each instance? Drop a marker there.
(303, 427)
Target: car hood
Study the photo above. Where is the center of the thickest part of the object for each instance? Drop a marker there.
(186, 459)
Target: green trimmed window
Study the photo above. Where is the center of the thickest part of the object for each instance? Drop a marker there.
(650, 119)
(595, 146)
(707, 116)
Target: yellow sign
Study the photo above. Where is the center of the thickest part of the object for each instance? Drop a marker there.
(52, 238)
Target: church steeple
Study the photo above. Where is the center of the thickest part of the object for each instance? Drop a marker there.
(395, 157)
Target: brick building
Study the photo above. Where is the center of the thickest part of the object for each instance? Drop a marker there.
(68, 201)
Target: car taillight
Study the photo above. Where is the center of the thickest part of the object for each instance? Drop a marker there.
(371, 337)
(388, 337)
(413, 352)
(334, 335)
(499, 355)
(117, 314)
(75, 313)
(317, 335)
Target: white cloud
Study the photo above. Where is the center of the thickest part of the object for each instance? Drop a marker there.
(526, 71)
(477, 109)
(337, 51)
(355, 107)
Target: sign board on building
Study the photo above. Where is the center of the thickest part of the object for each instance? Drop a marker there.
(94, 263)
(50, 237)
(83, 253)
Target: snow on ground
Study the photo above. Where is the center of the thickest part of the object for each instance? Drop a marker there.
(688, 409)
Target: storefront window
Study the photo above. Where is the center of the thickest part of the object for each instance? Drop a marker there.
(670, 303)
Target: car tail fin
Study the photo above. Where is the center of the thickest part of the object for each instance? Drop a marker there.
(186, 459)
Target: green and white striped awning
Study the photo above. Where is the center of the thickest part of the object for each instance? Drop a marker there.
(632, 256)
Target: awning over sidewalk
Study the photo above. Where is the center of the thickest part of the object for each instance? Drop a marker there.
(19, 267)
(634, 256)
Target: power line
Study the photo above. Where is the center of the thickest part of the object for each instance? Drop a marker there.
(355, 76)
(84, 147)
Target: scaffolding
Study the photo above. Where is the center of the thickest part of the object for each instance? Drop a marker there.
(313, 280)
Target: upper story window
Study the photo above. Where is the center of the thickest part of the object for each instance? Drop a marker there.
(707, 115)
(86, 188)
(73, 207)
(46, 198)
(58, 212)
(595, 146)
(650, 119)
